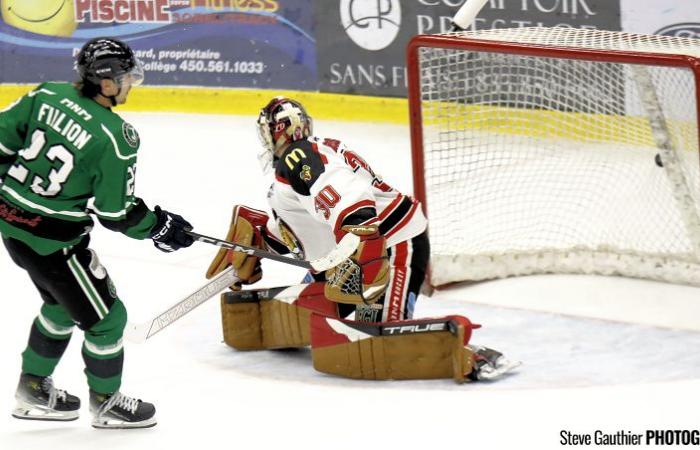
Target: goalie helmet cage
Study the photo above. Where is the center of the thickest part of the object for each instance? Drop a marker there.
(557, 150)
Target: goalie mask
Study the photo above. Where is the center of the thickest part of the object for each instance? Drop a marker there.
(281, 122)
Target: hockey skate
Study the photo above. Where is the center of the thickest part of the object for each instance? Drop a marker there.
(38, 399)
(490, 364)
(120, 411)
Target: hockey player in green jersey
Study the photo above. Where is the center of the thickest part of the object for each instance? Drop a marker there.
(66, 157)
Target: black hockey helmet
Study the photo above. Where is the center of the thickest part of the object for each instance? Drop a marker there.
(108, 58)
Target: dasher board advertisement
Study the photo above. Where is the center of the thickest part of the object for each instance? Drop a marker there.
(228, 43)
(361, 43)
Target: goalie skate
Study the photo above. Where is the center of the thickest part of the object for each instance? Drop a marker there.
(490, 364)
(38, 399)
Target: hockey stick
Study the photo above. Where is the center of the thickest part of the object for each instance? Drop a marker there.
(286, 294)
(138, 333)
(342, 251)
(466, 14)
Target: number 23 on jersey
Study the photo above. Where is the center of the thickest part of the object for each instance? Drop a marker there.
(51, 186)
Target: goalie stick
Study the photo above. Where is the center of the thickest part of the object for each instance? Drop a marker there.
(342, 251)
(138, 333)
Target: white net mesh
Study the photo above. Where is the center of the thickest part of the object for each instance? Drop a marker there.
(541, 164)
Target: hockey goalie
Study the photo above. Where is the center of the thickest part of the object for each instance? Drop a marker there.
(320, 191)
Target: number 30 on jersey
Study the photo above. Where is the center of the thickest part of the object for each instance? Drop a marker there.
(326, 200)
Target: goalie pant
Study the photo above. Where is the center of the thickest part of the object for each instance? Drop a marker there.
(299, 316)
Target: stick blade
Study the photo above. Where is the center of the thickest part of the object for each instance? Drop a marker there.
(345, 248)
(137, 333)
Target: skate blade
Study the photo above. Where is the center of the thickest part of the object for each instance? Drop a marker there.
(116, 424)
(500, 371)
(33, 412)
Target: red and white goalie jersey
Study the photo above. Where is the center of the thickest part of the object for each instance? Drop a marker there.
(321, 185)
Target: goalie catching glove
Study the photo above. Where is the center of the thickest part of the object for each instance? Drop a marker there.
(245, 227)
(364, 277)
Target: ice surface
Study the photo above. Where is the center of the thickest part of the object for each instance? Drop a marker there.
(598, 353)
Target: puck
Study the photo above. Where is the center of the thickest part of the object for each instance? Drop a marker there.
(657, 160)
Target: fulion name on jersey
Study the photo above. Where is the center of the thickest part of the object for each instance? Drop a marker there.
(70, 129)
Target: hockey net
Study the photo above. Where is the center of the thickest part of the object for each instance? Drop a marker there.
(557, 150)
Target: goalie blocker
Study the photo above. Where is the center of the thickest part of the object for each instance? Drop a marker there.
(299, 316)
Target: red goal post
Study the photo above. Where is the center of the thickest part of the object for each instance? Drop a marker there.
(545, 150)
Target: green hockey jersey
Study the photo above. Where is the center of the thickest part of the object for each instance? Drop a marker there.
(63, 159)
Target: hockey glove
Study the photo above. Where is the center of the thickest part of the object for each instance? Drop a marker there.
(168, 234)
(364, 277)
(245, 229)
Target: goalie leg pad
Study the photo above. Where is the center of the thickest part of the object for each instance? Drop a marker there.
(241, 324)
(416, 349)
(267, 324)
(272, 318)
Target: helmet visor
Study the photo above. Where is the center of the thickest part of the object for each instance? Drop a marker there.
(135, 75)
